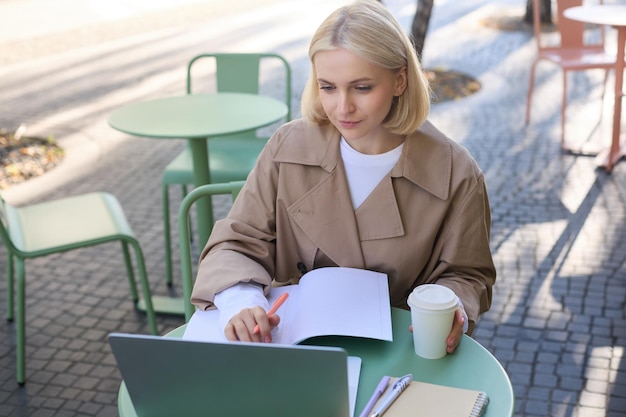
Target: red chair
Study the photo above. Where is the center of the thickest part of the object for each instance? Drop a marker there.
(573, 53)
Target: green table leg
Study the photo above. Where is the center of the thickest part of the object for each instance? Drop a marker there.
(202, 175)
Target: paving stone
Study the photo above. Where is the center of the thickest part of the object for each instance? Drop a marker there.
(539, 408)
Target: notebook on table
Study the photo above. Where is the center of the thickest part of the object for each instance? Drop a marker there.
(437, 401)
(175, 377)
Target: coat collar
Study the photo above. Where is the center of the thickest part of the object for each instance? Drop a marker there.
(426, 159)
(315, 146)
(337, 230)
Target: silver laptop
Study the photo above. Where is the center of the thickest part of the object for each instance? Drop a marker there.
(168, 377)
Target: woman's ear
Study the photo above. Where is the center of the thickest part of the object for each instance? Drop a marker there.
(401, 78)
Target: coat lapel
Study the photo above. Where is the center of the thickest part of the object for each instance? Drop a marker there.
(379, 216)
(426, 161)
(325, 212)
(330, 224)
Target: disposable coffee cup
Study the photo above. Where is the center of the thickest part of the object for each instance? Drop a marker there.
(432, 314)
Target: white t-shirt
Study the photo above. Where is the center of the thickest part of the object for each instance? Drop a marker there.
(365, 171)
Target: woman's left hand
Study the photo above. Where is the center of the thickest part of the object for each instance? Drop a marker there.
(454, 338)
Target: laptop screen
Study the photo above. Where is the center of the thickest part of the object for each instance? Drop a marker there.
(174, 377)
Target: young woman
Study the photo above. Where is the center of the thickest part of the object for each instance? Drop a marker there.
(363, 180)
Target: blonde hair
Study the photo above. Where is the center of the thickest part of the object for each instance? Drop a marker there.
(367, 29)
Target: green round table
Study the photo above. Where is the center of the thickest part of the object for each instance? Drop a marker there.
(471, 367)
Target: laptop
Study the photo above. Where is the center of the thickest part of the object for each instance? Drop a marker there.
(168, 377)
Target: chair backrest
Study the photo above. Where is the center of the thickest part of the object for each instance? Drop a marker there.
(241, 73)
(4, 226)
(571, 32)
(204, 191)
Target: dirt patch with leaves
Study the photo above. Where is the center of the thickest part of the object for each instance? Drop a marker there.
(23, 157)
(449, 85)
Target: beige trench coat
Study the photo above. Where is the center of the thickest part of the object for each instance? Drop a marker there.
(428, 221)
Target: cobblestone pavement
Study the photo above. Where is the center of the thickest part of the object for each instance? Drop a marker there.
(557, 323)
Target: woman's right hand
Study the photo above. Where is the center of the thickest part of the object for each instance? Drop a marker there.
(241, 326)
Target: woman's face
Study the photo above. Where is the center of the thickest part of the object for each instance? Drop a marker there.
(356, 95)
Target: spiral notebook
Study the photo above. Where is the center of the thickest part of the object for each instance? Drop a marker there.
(437, 401)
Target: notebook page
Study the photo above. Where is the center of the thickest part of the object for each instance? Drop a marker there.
(342, 301)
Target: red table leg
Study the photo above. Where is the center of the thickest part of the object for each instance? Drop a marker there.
(608, 158)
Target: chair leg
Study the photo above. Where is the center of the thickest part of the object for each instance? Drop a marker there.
(165, 195)
(186, 268)
(10, 288)
(145, 286)
(185, 192)
(20, 324)
(531, 86)
(563, 109)
(130, 272)
(606, 78)
(167, 231)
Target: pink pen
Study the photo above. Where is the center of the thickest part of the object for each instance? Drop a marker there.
(378, 392)
(279, 302)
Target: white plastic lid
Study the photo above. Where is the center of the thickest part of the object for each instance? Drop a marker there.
(433, 297)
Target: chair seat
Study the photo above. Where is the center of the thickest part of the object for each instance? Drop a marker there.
(230, 159)
(66, 223)
(57, 226)
(574, 59)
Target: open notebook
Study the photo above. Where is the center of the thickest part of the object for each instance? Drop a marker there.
(327, 301)
(167, 377)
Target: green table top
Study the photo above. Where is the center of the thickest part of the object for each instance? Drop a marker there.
(197, 116)
(471, 367)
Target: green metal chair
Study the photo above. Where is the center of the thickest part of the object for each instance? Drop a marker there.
(205, 191)
(62, 225)
(231, 157)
